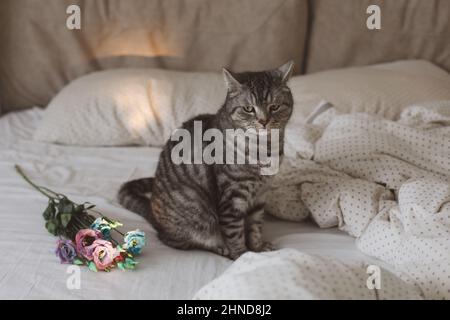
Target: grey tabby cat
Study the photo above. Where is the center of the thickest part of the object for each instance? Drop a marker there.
(217, 207)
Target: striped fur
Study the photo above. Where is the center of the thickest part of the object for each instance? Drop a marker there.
(218, 207)
(134, 195)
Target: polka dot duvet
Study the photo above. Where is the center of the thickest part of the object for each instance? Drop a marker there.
(386, 183)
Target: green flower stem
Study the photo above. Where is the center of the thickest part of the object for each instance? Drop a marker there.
(80, 221)
(58, 195)
(123, 235)
(38, 188)
(80, 224)
(114, 241)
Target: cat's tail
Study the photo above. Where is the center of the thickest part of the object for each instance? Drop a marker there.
(134, 196)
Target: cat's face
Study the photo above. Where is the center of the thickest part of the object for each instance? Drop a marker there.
(259, 100)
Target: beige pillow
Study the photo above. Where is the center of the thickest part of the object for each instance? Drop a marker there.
(128, 106)
(384, 89)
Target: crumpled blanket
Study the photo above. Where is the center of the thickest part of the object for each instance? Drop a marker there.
(387, 183)
(290, 274)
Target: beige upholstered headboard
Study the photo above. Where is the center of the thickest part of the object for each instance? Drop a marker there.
(39, 54)
(410, 29)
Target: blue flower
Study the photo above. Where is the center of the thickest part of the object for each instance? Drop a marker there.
(102, 226)
(134, 241)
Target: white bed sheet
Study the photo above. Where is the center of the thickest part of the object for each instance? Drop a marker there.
(30, 270)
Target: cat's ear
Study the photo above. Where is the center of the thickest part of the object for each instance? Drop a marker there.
(286, 70)
(230, 80)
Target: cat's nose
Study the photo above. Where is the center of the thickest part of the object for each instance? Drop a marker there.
(263, 121)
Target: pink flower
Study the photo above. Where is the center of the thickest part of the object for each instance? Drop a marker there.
(104, 254)
(85, 241)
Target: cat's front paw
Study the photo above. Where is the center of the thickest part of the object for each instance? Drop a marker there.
(267, 246)
(234, 255)
(222, 250)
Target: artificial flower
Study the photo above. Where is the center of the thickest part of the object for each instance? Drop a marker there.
(101, 225)
(67, 219)
(104, 254)
(134, 241)
(84, 240)
(66, 251)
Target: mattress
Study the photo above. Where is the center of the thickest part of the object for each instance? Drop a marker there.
(30, 270)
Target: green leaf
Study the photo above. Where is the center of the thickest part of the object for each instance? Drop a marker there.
(78, 209)
(56, 222)
(68, 208)
(51, 227)
(91, 266)
(130, 263)
(49, 213)
(78, 262)
(65, 219)
(120, 265)
(65, 206)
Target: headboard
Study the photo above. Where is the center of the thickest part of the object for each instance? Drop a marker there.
(39, 54)
(410, 29)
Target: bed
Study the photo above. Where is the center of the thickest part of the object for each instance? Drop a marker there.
(30, 270)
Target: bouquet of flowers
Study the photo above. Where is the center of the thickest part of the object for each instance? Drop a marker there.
(85, 239)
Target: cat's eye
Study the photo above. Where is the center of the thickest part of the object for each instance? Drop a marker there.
(275, 107)
(248, 109)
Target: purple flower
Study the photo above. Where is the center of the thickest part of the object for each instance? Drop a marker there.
(85, 242)
(66, 251)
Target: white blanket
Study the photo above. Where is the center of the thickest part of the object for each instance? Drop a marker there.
(410, 228)
(386, 183)
(290, 274)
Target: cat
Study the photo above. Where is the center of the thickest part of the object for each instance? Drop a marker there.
(217, 207)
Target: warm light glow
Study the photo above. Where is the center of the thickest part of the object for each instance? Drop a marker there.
(135, 42)
(151, 106)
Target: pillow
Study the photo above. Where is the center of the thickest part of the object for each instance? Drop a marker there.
(128, 106)
(384, 89)
(143, 106)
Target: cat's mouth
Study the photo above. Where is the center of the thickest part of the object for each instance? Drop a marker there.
(260, 130)
(269, 126)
